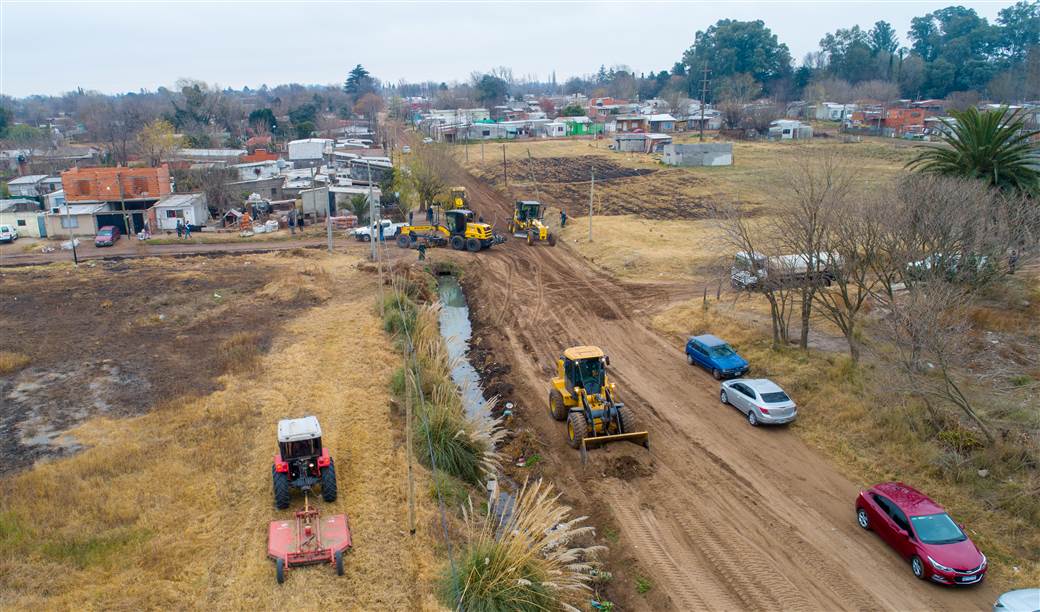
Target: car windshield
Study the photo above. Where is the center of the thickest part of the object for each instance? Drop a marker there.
(775, 397)
(722, 350)
(105, 232)
(937, 529)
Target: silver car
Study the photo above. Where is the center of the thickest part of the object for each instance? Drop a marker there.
(1022, 600)
(762, 400)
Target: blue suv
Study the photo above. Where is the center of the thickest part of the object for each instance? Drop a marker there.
(716, 356)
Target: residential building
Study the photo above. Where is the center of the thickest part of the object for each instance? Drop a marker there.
(631, 123)
(661, 123)
(830, 111)
(555, 129)
(789, 129)
(76, 220)
(30, 186)
(641, 143)
(25, 216)
(215, 156)
(309, 152)
(115, 184)
(712, 120)
(187, 208)
(257, 170)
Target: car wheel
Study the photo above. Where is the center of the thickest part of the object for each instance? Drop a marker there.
(722, 397)
(752, 418)
(689, 359)
(366, 238)
(716, 373)
(863, 519)
(917, 567)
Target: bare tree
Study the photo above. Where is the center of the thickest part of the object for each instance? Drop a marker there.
(430, 169)
(926, 331)
(814, 188)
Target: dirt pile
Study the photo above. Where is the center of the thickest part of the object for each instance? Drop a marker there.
(545, 170)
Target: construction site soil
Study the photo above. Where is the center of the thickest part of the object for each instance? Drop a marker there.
(651, 193)
(716, 515)
(107, 340)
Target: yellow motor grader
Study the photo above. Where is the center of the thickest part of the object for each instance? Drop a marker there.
(528, 222)
(457, 198)
(583, 395)
(454, 227)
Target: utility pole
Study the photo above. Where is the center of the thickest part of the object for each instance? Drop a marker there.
(409, 377)
(505, 172)
(592, 187)
(481, 151)
(372, 214)
(704, 97)
(72, 237)
(330, 204)
(122, 204)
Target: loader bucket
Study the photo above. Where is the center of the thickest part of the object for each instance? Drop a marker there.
(638, 437)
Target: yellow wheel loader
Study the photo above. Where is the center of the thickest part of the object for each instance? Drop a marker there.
(457, 229)
(528, 223)
(583, 396)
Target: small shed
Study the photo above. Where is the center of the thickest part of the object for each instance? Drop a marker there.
(630, 142)
(699, 154)
(789, 129)
(24, 215)
(188, 208)
(30, 186)
(555, 129)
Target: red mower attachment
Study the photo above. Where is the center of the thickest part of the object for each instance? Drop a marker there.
(308, 540)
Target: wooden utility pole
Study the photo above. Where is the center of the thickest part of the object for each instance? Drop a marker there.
(592, 187)
(505, 171)
(122, 205)
(704, 97)
(409, 377)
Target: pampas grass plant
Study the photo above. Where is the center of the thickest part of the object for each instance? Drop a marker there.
(521, 557)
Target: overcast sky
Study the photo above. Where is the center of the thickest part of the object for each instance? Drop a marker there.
(125, 46)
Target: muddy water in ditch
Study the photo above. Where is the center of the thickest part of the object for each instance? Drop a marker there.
(457, 330)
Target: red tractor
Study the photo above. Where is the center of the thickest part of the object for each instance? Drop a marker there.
(301, 462)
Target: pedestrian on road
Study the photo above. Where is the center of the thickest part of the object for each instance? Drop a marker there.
(422, 250)
(563, 218)
(410, 213)
(290, 220)
(381, 232)
(180, 228)
(187, 230)
(1012, 261)
(429, 214)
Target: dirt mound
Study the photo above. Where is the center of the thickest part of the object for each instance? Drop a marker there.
(627, 467)
(574, 169)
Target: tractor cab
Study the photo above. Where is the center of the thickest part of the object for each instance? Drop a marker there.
(528, 210)
(301, 462)
(456, 220)
(457, 198)
(584, 367)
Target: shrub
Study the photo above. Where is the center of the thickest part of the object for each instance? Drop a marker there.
(239, 352)
(521, 560)
(11, 362)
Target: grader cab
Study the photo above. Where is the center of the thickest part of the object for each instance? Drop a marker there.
(529, 222)
(583, 395)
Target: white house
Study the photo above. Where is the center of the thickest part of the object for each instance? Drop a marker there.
(75, 219)
(255, 171)
(789, 129)
(830, 111)
(23, 215)
(188, 208)
(555, 129)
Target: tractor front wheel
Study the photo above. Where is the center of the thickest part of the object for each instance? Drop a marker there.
(628, 420)
(281, 489)
(557, 409)
(577, 428)
(328, 483)
(552, 239)
(404, 241)
(458, 243)
(530, 238)
(473, 245)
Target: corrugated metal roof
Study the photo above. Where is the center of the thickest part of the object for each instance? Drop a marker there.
(178, 200)
(27, 180)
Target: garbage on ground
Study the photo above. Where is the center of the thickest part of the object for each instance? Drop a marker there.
(69, 244)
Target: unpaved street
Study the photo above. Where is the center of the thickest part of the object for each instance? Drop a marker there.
(730, 517)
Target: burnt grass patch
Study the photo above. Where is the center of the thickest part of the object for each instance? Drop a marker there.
(117, 339)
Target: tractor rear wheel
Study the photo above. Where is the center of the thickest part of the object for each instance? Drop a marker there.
(458, 243)
(628, 420)
(530, 238)
(279, 570)
(577, 428)
(473, 245)
(404, 241)
(339, 563)
(281, 489)
(328, 483)
(556, 408)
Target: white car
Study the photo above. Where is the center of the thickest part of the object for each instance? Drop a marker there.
(1022, 600)
(406, 149)
(390, 230)
(762, 400)
(427, 140)
(8, 233)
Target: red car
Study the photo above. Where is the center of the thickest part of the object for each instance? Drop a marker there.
(921, 531)
(106, 236)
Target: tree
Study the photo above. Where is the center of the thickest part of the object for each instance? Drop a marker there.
(5, 121)
(359, 82)
(740, 87)
(430, 170)
(572, 110)
(369, 105)
(991, 146)
(1020, 29)
(358, 204)
(732, 47)
(882, 38)
(304, 130)
(157, 140)
(547, 106)
(262, 121)
(491, 90)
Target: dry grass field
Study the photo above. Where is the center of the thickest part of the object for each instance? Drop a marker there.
(169, 508)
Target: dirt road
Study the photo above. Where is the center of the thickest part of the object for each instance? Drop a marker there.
(730, 517)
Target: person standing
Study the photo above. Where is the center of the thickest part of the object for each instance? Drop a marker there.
(422, 250)
(291, 221)
(563, 218)
(180, 228)
(410, 213)
(187, 231)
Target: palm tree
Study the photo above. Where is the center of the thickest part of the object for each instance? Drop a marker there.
(358, 204)
(992, 146)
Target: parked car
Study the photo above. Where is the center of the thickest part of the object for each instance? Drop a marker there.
(106, 236)
(762, 400)
(716, 356)
(8, 233)
(753, 270)
(427, 140)
(1019, 600)
(406, 149)
(390, 230)
(922, 533)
